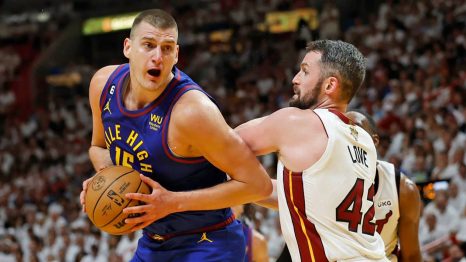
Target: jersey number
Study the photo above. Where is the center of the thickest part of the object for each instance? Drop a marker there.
(349, 209)
(123, 158)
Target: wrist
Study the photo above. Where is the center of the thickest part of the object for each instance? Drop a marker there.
(177, 203)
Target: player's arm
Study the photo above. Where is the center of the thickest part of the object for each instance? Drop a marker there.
(199, 124)
(408, 225)
(98, 153)
(260, 252)
(263, 136)
(271, 201)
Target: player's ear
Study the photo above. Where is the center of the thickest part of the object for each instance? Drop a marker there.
(376, 139)
(127, 47)
(330, 84)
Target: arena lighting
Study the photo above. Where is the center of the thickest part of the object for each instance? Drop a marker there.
(107, 24)
(287, 21)
(275, 22)
(428, 189)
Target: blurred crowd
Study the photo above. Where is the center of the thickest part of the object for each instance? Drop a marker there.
(415, 89)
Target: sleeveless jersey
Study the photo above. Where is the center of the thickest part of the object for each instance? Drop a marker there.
(138, 139)
(387, 210)
(326, 211)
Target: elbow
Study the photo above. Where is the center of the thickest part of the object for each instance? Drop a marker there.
(265, 189)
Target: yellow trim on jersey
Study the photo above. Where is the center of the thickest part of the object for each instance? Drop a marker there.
(303, 227)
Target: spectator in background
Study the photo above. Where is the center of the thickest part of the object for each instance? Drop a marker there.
(446, 216)
(329, 22)
(442, 170)
(461, 235)
(431, 230)
(456, 198)
(455, 254)
(460, 178)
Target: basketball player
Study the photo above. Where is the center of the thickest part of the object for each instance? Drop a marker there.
(327, 165)
(397, 203)
(152, 117)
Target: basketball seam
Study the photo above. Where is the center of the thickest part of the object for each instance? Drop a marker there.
(101, 195)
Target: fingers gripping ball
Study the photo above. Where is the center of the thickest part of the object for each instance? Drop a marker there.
(105, 198)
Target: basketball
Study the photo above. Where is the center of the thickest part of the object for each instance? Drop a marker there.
(105, 198)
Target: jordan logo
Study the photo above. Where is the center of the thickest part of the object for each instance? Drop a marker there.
(204, 238)
(107, 107)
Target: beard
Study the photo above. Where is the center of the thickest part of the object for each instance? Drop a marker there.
(309, 99)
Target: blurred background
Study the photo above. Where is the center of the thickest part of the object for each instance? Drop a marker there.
(245, 54)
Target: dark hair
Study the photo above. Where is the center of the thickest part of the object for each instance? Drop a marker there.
(155, 17)
(342, 60)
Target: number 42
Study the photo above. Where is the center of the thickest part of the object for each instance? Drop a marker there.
(349, 209)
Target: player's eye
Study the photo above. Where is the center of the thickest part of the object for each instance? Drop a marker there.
(167, 48)
(148, 45)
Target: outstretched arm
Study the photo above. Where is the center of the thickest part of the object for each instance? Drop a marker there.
(408, 225)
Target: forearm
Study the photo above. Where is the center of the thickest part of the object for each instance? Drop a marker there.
(409, 244)
(100, 157)
(272, 201)
(224, 195)
(411, 257)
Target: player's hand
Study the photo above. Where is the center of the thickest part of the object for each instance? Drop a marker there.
(83, 193)
(157, 205)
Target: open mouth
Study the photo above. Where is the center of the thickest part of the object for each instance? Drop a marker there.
(154, 72)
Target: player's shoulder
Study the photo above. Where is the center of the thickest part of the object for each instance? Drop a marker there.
(101, 76)
(407, 186)
(409, 193)
(194, 102)
(195, 110)
(294, 116)
(106, 71)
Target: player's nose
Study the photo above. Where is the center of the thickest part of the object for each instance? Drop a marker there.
(295, 80)
(156, 55)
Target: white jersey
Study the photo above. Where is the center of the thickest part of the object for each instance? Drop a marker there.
(387, 210)
(326, 211)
